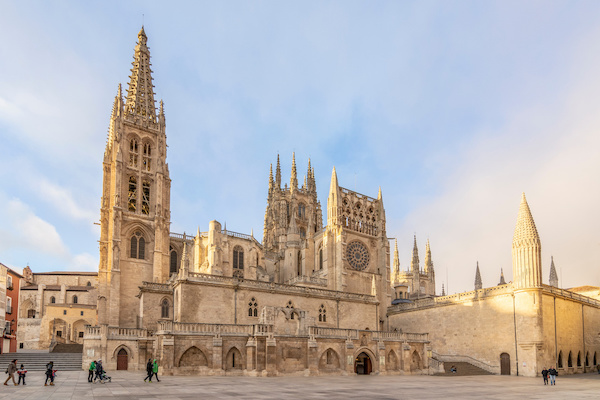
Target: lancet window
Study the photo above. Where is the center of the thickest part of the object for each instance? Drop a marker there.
(253, 308)
(132, 194)
(138, 245)
(164, 309)
(299, 263)
(238, 262)
(133, 153)
(145, 197)
(321, 257)
(147, 157)
(322, 314)
(75, 299)
(173, 261)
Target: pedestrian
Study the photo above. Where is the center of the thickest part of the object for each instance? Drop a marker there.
(12, 368)
(155, 370)
(91, 371)
(453, 369)
(545, 375)
(22, 372)
(149, 367)
(98, 370)
(49, 374)
(552, 373)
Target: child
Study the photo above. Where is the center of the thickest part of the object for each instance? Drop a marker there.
(22, 372)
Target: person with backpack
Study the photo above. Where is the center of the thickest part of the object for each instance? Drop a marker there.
(91, 371)
(22, 372)
(12, 368)
(50, 371)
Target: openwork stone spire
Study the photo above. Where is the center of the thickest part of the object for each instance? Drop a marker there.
(414, 264)
(428, 267)
(294, 177)
(271, 182)
(140, 95)
(396, 265)
(553, 274)
(502, 280)
(478, 284)
(526, 250)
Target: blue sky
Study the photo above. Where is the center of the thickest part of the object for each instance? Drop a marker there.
(453, 107)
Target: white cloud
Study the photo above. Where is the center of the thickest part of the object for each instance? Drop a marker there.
(62, 199)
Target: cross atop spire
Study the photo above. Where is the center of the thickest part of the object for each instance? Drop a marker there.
(140, 94)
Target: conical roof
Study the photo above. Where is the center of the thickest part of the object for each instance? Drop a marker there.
(525, 229)
(140, 94)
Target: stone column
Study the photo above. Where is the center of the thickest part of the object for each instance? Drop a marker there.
(349, 361)
(251, 355)
(313, 356)
(381, 352)
(217, 356)
(406, 357)
(271, 357)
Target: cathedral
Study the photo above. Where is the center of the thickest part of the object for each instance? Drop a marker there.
(310, 299)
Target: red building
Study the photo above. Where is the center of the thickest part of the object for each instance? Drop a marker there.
(9, 340)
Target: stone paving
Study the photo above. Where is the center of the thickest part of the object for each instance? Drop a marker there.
(130, 385)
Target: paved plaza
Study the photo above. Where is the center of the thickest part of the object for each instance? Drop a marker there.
(130, 385)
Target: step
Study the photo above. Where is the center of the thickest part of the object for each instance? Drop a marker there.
(38, 361)
(463, 369)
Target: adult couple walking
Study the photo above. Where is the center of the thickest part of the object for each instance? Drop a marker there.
(152, 370)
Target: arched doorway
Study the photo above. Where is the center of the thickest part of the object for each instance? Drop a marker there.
(122, 358)
(362, 364)
(504, 364)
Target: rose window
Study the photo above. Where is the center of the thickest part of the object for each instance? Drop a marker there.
(357, 255)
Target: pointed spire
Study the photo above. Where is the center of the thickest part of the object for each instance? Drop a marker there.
(414, 264)
(294, 177)
(278, 174)
(116, 112)
(379, 197)
(333, 201)
(304, 183)
(198, 232)
(526, 250)
(271, 182)
(478, 284)
(553, 274)
(140, 95)
(502, 280)
(428, 267)
(443, 291)
(396, 263)
(252, 232)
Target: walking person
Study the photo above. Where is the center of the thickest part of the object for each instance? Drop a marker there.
(545, 375)
(155, 370)
(12, 368)
(98, 371)
(49, 374)
(91, 371)
(149, 368)
(22, 372)
(552, 373)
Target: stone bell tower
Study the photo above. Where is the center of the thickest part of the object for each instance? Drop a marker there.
(135, 209)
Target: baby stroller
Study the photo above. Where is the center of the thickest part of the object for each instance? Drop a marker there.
(104, 378)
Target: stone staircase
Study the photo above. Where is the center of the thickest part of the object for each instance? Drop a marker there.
(463, 369)
(36, 361)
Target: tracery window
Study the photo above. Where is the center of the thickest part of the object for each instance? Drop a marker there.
(147, 157)
(238, 262)
(132, 194)
(52, 300)
(164, 309)
(145, 197)
(290, 305)
(133, 153)
(138, 245)
(173, 261)
(322, 314)
(301, 211)
(253, 308)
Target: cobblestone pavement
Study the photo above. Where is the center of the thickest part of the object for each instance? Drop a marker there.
(130, 385)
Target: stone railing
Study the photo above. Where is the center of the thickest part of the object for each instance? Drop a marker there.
(241, 236)
(448, 358)
(113, 332)
(571, 295)
(184, 236)
(274, 287)
(92, 332)
(214, 329)
(309, 280)
(319, 332)
(156, 286)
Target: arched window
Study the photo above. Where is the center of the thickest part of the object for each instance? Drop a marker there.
(322, 314)
(164, 309)
(587, 359)
(560, 360)
(138, 245)
(147, 155)
(579, 359)
(52, 300)
(74, 299)
(595, 363)
(252, 308)
(302, 233)
(146, 197)
(301, 211)
(132, 194)
(299, 263)
(133, 153)
(321, 257)
(238, 262)
(89, 283)
(173, 264)
(290, 305)
(570, 360)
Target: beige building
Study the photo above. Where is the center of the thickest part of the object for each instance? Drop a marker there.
(308, 300)
(515, 328)
(55, 307)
